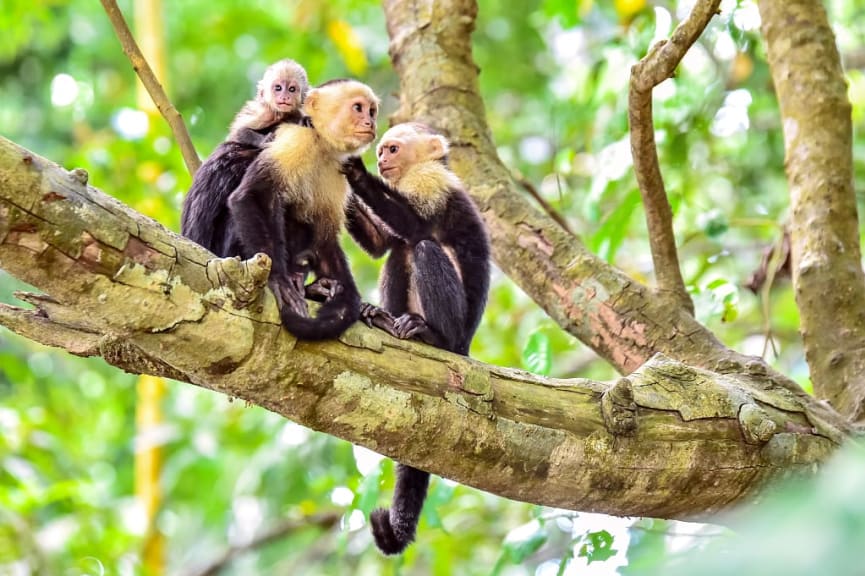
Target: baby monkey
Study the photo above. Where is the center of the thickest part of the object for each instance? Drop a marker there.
(204, 217)
(435, 282)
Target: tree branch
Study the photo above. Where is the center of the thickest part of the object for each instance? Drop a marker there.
(154, 88)
(669, 441)
(611, 313)
(658, 65)
(278, 532)
(827, 268)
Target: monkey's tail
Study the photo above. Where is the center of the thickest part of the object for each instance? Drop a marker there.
(333, 318)
(394, 528)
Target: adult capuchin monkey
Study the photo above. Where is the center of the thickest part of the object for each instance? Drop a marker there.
(279, 97)
(292, 201)
(434, 283)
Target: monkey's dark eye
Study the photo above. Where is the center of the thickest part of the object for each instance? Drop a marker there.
(277, 88)
(358, 107)
(393, 148)
(292, 89)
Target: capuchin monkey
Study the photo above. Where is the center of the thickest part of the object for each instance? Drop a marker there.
(435, 282)
(292, 201)
(279, 97)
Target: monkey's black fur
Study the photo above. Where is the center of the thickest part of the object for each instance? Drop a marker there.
(263, 220)
(204, 218)
(452, 296)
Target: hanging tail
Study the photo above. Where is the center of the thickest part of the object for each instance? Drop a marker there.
(394, 528)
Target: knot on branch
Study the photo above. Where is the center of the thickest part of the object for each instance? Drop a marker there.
(619, 409)
(80, 175)
(756, 425)
(474, 391)
(245, 279)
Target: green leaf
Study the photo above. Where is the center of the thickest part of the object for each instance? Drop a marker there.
(647, 548)
(368, 491)
(598, 548)
(537, 354)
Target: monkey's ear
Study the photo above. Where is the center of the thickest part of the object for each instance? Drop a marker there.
(310, 103)
(438, 147)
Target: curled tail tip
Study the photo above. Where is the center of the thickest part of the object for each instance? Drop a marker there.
(385, 537)
(329, 324)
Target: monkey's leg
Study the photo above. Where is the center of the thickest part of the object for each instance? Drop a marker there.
(442, 297)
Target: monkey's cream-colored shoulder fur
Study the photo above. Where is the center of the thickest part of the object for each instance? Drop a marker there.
(309, 171)
(427, 186)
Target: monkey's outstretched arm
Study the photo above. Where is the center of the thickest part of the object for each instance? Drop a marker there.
(378, 196)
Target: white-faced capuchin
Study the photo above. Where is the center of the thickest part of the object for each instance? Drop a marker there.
(292, 200)
(435, 281)
(279, 97)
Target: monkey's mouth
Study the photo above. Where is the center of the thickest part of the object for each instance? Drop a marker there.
(285, 106)
(383, 172)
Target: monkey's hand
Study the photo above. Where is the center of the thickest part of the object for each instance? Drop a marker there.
(353, 168)
(289, 294)
(323, 289)
(373, 316)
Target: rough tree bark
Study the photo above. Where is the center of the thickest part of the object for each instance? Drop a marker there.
(687, 434)
(668, 441)
(827, 262)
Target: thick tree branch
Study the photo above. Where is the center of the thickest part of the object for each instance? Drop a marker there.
(658, 65)
(154, 88)
(617, 317)
(668, 441)
(827, 268)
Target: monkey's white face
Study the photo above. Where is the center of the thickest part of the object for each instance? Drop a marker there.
(344, 113)
(284, 86)
(402, 147)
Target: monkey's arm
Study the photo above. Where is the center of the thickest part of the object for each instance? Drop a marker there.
(371, 235)
(204, 216)
(394, 212)
(258, 217)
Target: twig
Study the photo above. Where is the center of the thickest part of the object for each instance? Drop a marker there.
(654, 68)
(551, 212)
(151, 83)
(277, 532)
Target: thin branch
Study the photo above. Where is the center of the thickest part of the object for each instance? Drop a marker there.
(278, 532)
(154, 88)
(658, 65)
(551, 212)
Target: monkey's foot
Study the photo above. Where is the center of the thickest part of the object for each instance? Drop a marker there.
(323, 289)
(373, 316)
(410, 325)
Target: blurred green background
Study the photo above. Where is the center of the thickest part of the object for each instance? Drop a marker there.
(554, 76)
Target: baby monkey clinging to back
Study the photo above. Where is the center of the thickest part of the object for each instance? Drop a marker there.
(435, 282)
(279, 97)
